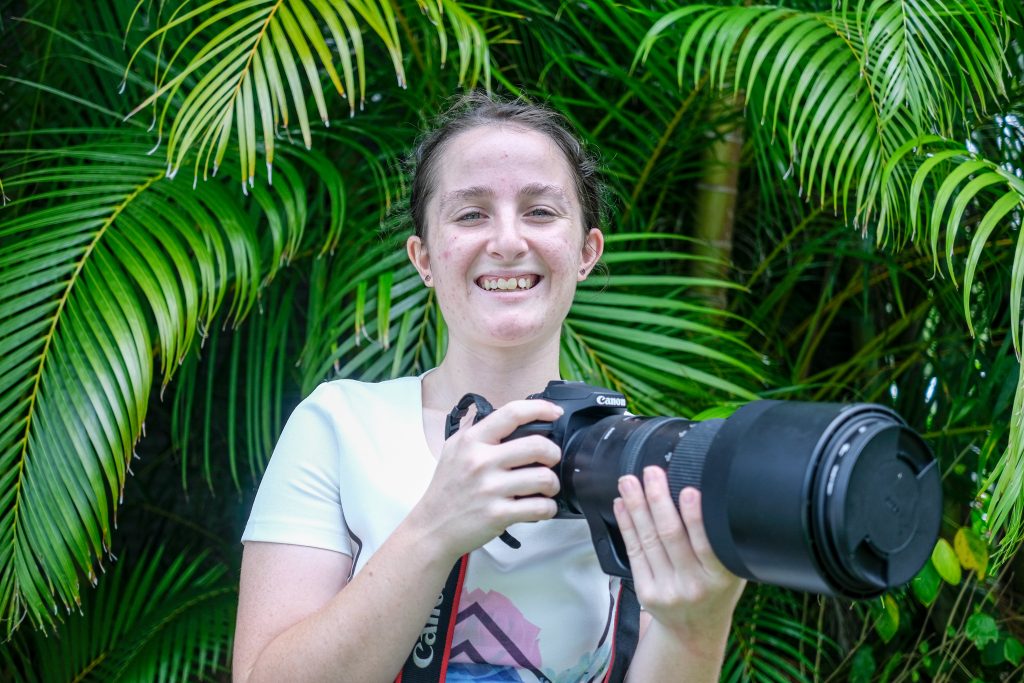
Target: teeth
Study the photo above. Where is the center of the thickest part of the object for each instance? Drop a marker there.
(508, 283)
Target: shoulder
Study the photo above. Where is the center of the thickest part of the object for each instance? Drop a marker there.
(357, 388)
(343, 399)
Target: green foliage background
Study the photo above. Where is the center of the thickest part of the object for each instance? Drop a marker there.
(202, 203)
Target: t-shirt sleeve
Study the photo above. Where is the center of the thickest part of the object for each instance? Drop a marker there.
(298, 501)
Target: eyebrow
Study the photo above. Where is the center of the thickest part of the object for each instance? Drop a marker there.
(485, 192)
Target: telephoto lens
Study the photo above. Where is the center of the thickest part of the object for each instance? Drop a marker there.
(838, 499)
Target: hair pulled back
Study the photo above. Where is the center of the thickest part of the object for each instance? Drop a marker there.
(478, 109)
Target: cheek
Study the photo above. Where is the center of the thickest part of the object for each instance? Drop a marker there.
(568, 253)
(453, 248)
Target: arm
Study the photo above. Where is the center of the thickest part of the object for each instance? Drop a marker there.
(299, 619)
(687, 594)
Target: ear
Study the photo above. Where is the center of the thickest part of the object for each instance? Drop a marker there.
(593, 247)
(417, 251)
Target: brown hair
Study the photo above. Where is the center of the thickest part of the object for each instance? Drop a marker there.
(479, 109)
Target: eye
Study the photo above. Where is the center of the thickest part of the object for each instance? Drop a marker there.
(469, 216)
(541, 212)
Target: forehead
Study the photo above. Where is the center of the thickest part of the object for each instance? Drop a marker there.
(495, 160)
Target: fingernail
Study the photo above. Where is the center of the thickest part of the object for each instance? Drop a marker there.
(651, 472)
(627, 484)
(689, 496)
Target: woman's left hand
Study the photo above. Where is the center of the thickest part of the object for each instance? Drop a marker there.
(678, 579)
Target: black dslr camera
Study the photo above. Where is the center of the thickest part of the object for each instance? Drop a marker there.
(822, 497)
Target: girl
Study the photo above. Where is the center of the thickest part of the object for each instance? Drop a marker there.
(365, 507)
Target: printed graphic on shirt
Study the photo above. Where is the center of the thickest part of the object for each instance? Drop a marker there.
(490, 628)
(493, 641)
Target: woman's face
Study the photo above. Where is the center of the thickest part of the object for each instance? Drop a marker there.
(505, 242)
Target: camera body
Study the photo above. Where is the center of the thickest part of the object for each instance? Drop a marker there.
(583, 406)
(587, 473)
(838, 499)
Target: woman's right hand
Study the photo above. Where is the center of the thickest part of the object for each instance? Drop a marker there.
(481, 485)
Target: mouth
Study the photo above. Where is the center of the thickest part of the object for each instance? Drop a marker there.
(515, 282)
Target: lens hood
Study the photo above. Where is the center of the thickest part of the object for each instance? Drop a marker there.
(840, 499)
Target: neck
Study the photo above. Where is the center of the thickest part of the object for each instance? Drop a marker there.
(499, 375)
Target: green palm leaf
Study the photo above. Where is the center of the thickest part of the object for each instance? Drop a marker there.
(847, 88)
(151, 619)
(677, 352)
(771, 642)
(257, 61)
(375, 319)
(963, 178)
(102, 263)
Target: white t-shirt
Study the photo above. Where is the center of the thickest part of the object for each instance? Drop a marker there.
(350, 465)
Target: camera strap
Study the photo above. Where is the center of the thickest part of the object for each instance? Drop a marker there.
(428, 661)
(625, 632)
(483, 409)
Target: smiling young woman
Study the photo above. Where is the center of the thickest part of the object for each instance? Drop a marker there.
(505, 246)
(365, 507)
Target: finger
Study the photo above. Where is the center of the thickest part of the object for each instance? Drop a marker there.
(530, 481)
(693, 517)
(634, 550)
(505, 420)
(647, 534)
(529, 509)
(667, 520)
(529, 450)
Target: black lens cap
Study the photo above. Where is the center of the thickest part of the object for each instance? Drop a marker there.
(879, 495)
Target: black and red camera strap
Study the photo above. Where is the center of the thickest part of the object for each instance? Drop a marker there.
(428, 661)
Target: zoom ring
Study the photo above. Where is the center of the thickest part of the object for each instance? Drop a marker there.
(687, 466)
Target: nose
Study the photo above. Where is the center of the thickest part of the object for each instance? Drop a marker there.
(507, 239)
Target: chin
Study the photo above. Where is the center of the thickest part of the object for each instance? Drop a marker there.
(510, 333)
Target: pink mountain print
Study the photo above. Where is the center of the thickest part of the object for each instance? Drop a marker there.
(491, 629)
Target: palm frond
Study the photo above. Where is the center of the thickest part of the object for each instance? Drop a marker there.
(371, 318)
(847, 88)
(260, 59)
(102, 263)
(933, 60)
(152, 618)
(771, 642)
(679, 352)
(228, 403)
(962, 179)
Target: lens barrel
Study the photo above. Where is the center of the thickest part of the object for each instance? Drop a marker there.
(829, 498)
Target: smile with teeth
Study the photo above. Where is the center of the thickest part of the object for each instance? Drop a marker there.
(508, 283)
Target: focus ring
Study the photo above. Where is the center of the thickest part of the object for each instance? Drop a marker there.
(687, 466)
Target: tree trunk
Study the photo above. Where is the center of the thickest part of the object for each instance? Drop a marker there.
(715, 211)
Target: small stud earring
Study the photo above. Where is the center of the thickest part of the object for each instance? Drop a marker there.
(426, 278)
(583, 271)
